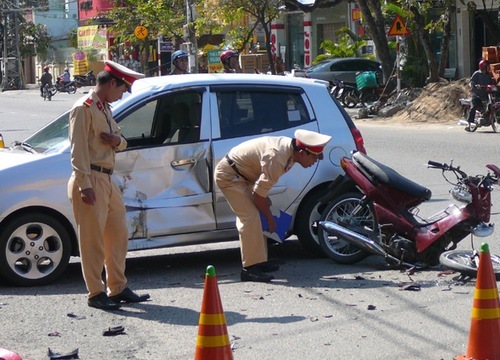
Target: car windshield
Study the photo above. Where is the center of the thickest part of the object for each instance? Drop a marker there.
(50, 139)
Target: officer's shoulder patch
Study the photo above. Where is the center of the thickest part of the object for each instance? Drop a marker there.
(88, 102)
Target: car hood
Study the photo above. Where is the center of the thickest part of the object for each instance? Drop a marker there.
(10, 158)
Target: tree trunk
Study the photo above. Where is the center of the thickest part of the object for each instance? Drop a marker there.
(376, 29)
(445, 44)
(426, 43)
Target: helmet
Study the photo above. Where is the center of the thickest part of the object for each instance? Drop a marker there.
(226, 55)
(179, 54)
(45, 68)
(483, 64)
(66, 69)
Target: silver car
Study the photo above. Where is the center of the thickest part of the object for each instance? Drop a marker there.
(177, 128)
(343, 69)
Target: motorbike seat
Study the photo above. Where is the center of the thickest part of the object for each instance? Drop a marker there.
(385, 175)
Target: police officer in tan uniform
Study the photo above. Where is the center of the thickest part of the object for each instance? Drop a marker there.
(247, 174)
(97, 202)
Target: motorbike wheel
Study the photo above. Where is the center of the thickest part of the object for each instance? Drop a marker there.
(340, 211)
(350, 100)
(71, 89)
(495, 120)
(466, 262)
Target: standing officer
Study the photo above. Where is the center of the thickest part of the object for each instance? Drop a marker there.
(97, 202)
(180, 62)
(247, 174)
(229, 60)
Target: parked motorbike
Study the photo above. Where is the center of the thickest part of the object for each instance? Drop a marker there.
(354, 96)
(339, 89)
(488, 114)
(374, 210)
(69, 87)
(85, 80)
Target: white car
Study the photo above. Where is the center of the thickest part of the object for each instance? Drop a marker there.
(177, 128)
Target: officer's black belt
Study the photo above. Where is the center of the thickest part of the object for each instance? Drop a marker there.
(101, 169)
(233, 165)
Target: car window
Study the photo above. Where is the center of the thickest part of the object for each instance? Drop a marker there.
(52, 137)
(169, 119)
(253, 112)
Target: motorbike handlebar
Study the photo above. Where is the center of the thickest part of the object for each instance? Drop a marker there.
(446, 167)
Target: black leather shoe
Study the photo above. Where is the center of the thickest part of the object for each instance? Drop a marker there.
(128, 296)
(267, 266)
(103, 302)
(253, 273)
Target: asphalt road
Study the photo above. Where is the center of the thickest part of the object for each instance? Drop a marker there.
(316, 308)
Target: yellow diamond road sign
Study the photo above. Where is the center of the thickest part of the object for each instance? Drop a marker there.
(398, 28)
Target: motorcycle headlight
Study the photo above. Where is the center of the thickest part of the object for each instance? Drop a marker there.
(461, 194)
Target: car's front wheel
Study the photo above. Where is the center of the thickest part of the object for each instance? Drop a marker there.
(34, 249)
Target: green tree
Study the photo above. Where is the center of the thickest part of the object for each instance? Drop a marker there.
(165, 18)
(34, 39)
(260, 12)
(346, 47)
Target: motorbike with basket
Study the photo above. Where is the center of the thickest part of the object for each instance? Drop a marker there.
(368, 90)
(372, 209)
(487, 114)
(85, 80)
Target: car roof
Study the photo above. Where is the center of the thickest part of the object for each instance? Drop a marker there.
(159, 83)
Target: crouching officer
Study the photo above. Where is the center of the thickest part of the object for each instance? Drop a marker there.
(97, 202)
(247, 174)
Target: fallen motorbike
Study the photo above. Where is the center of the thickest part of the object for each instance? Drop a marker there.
(69, 87)
(85, 80)
(374, 210)
(488, 114)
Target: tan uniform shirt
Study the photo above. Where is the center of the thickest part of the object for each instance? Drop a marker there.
(88, 118)
(263, 161)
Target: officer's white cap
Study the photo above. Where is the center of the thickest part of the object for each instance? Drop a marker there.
(311, 141)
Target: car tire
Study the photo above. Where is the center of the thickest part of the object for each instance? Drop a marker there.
(307, 232)
(34, 249)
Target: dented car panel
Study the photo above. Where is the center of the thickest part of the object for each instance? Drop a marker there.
(177, 128)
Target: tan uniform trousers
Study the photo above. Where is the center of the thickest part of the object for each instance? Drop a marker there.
(238, 193)
(103, 235)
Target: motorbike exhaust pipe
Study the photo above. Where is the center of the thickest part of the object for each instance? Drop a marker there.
(354, 238)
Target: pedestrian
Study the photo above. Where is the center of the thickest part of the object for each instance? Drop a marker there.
(45, 79)
(180, 62)
(479, 79)
(229, 60)
(247, 174)
(97, 202)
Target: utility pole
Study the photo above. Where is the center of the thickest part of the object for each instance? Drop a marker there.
(11, 60)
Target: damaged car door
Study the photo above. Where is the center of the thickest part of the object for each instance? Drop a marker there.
(163, 174)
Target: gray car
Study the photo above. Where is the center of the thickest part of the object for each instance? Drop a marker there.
(177, 128)
(343, 69)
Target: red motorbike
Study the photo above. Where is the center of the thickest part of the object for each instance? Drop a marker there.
(374, 210)
(488, 114)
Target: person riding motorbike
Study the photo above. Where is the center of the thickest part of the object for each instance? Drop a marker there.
(478, 80)
(65, 78)
(45, 79)
(229, 60)
(180, 63)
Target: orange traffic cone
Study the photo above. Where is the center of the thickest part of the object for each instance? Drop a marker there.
(213, 341)
(485, 323)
